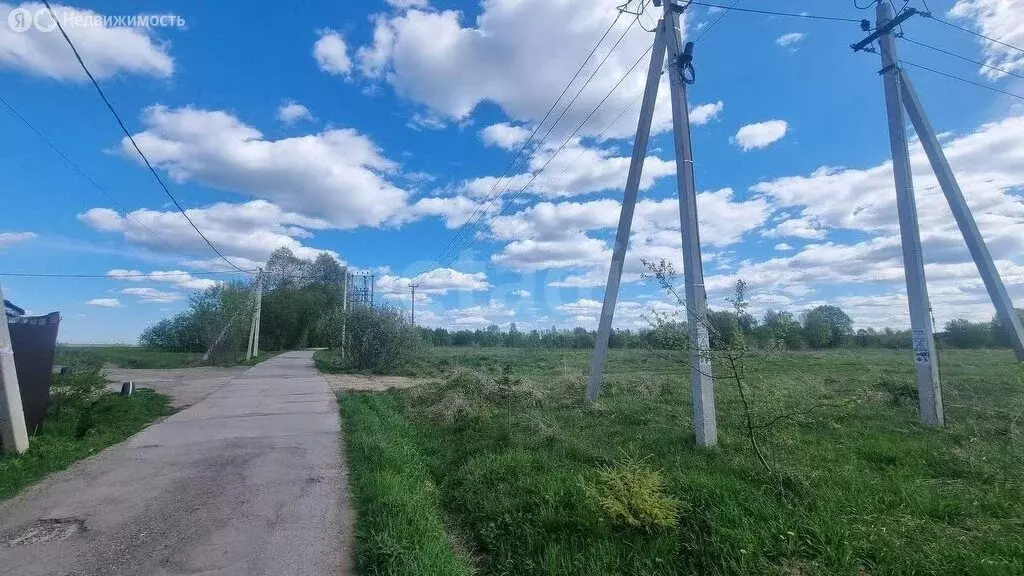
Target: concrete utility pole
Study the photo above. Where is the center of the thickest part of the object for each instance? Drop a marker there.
(344, 311)
(962, 213)
(929, 388)
(253, 348)
(13, 432)
(259, 313)
(413, 286)
(668, 37)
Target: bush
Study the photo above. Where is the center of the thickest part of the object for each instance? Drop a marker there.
(631, 494)
(75, 389)
(379, 340)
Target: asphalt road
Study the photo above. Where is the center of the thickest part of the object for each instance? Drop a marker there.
(247, 481)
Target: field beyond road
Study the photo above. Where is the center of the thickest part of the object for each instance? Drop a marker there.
(499, 468)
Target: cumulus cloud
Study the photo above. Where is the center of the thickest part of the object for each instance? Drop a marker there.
(782, 247)
(1002, 19)
(152, 295)
(290, 112)
(437, 281)
(406, 4)
(790, 39)
(105, 302)
(504, 57)
(760, 134)
(109, 51)
(338, 175)
(705, 113)
(504, 135)
(178, 278)
(12, 238)
(331, 53)
(247, 233)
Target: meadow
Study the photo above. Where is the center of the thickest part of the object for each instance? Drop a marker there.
(497, 466)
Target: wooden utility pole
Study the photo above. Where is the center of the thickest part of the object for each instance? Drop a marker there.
(413, 286)
(12, 416)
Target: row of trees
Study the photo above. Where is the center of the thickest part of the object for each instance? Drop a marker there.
(818, 328)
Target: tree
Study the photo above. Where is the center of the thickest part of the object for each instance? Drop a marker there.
(826, 326)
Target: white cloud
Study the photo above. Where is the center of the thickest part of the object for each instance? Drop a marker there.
(436, 281)
(504, 56)
(805, 227)
(504, 135)
(12, 238)
(107, 51)
(521, 293)
(456, 210)
(1002, 19)
(782, 247)
(760, 134)
(152, 295)
(247, 233)
(338, 175)
(178, 278)
(790, 39)
(406, 4)
(469, 318)
(427, 121)
(705, 113)
(331, 53)
(576, 170)
(289, 112)
(105, 302)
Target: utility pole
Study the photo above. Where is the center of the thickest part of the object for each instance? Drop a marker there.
(344, 311)
(929, 388)
(962, 214)
(668, 38)
(636, 167)
(13, 432)
(372, 282)
(253, 348)
(259, 313)
(413, 286)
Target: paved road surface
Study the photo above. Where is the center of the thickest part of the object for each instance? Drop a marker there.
(247, 481)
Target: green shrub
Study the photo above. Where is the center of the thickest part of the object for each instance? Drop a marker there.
(379, 340)
(631, 494)
(75, 389)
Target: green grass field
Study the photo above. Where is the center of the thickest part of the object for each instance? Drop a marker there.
(513, 474)
(78, 429)
(138, 357)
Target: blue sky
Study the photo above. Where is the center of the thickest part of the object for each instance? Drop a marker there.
(373, 130)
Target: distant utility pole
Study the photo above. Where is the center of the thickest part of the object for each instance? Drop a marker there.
(253, 349)
(12, 416)
(900, 94)
(667, 38)
(413, 287)
(344, 311)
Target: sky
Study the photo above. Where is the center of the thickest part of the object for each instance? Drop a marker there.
(380, 131)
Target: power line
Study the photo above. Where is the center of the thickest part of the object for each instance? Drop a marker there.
(557, 120)
(81, 172)
(971, 32)
(130, 137)
(147, 275)
(557, 151)
(717, 20)
(962, 79)
(964, 58)
(774, 13)
(522, 148)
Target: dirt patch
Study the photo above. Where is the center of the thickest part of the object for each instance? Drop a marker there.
(185, 386)
(359, 382)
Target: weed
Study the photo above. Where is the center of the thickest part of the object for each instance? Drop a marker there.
(632, 494)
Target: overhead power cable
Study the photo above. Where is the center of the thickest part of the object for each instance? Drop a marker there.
(88, 178)
(717, 20)
(774, 13)
(971, 32)
(964, 58)
(962, 79)
(568, 139)
(522, 148)
(130, 137)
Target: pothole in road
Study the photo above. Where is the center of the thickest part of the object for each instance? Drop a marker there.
(47, 530)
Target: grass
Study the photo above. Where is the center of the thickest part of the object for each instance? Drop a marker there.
(138, 357)
(79, 428)
(512, 473)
